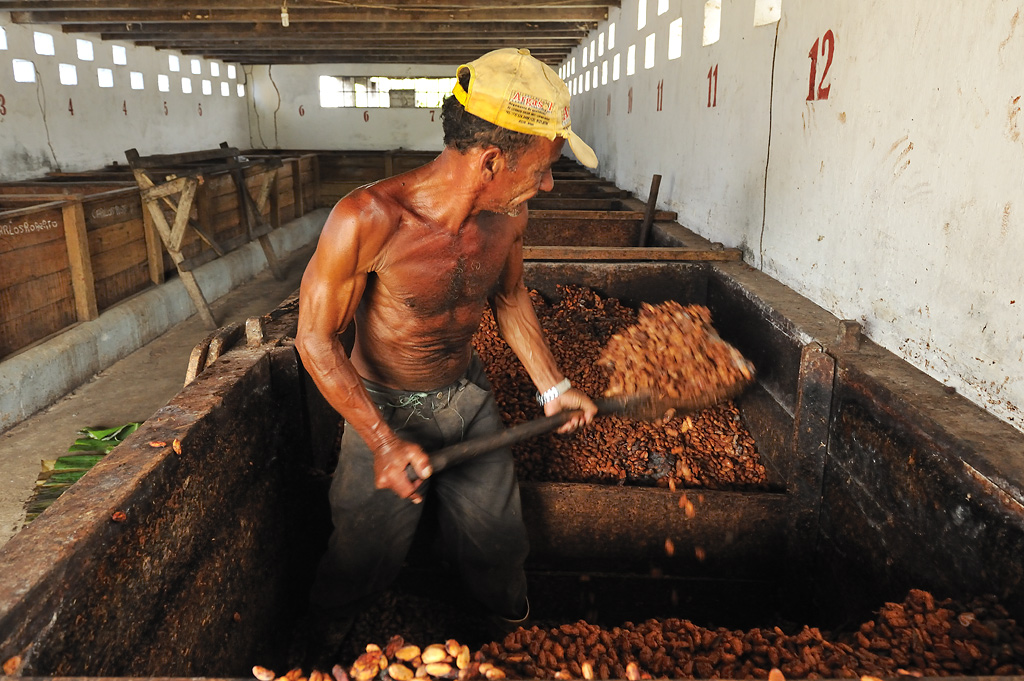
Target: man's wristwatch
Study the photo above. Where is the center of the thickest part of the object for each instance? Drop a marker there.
(553, 392)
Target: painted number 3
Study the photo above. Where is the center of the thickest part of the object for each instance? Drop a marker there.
(828, 48)
(3, 106)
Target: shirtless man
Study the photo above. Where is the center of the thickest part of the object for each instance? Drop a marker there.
(413, 260)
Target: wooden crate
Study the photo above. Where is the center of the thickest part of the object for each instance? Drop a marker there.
(45, 278)
(123, 250)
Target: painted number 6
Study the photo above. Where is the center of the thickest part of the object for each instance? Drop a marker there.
(828, 48)
(366, 116)
(302, 110)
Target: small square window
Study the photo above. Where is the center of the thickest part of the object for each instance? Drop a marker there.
(615, 67)
(3, 38)
(105, 77)
(241, 90)
(197, 67)
(225, 89)
(584, 57)
(172, 63)
(662, 7)
(24, 71)
(136, 80)
(214, 69)
(593, 48)
(120, 54)
(649, 52)
(712, 21)
(631, 60)
(68, 74)
(611, 36)
(586, 82)
(641, 14)
(604, 72)
(600, 45)
(186, 85)
(84, 49)
(231, 71)
(43, 43)
(207, 87)
(163, 83)
(767, 12)
(572, 70)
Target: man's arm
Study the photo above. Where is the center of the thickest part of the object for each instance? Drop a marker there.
(331, 289)
(518, 324)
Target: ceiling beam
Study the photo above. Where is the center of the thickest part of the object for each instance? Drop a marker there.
(275, 30)
(332, 14)
(76, 5)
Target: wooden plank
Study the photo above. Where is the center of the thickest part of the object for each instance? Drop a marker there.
(82, 281)
(35, 294)
(15, 334)
(112, 237)
(630, 253)
(26, 264)
(25, 229)
(154, 249)
(170, 160)
(112, 262)
(118, 287)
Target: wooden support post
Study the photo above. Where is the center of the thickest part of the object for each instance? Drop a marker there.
(82, 282)
(275, 201)
(298, 193)
(154, 249)
(389, 164)
(317, 198)
(652, 207)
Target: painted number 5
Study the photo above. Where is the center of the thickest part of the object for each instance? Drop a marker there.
(828, 48)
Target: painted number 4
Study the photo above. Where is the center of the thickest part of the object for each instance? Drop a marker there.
(828, 48)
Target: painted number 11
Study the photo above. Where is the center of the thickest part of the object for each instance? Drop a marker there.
(713, 88)
(828, 48)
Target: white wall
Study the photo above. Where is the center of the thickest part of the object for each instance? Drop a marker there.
(39, 132)
(896, 201)
(275, 119)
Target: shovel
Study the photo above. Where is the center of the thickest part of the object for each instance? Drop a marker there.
(642, 406)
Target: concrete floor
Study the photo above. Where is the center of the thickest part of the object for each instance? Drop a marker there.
(132, 389)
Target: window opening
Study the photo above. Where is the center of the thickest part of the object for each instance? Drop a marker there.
(649, 52)
(712, 21)
(225, 89)
(136, 80)
(675, 39)
(600, 45)
(43, 43)
(24, 71)
(120, 54)
(84, 48)
(186, 85)
(173, 63)
(197, 67)
(641, 14)
(163, 83)
(231, 71)
(68, 74)
(586, 81)
(611, 36)
(240, 89)
(604, 72)
(662, 7)
(615, 67)
(631, 60)
(368, 92)
(207, 87)
(3, 38)
(105, 77)
(767, 12)
(215, 69)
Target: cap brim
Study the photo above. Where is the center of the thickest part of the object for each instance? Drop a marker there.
(584, 154)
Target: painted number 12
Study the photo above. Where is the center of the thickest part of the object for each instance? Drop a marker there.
(828, 48)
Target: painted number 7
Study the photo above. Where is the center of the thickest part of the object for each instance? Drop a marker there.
(828, 48)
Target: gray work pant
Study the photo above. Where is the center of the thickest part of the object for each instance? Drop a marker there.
(479, 513)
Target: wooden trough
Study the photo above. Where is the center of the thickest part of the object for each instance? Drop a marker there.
(71, 250)
(194, 564)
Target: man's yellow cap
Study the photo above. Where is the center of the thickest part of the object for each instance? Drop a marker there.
(514, 90)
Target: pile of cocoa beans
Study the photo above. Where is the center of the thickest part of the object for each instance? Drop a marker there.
(918, 637)
(673, 351)
(711, 449)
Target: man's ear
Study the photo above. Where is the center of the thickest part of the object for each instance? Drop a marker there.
(492, 161)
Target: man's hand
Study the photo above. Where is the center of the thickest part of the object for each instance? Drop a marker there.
(572, 399)
(389, 465)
